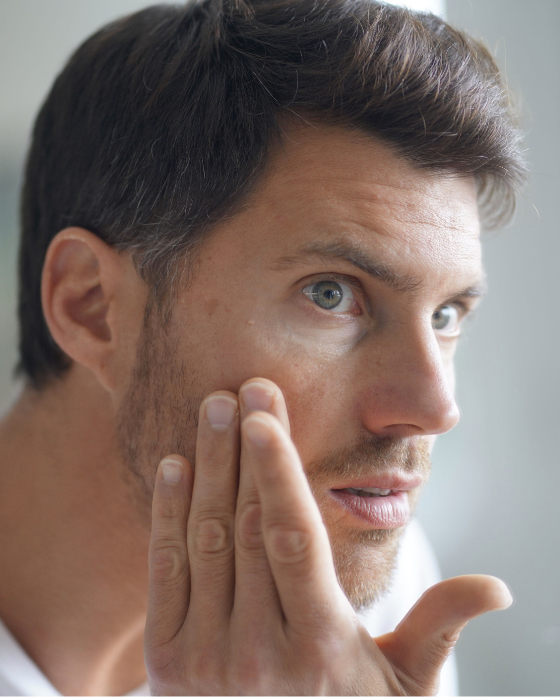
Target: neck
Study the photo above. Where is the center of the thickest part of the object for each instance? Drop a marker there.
(73, 547)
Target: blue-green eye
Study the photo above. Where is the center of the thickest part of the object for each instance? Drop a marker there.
(331, 295)
(446, 320)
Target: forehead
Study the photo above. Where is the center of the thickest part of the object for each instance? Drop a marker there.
(330, 184)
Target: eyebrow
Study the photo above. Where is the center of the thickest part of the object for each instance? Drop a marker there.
(353, 254)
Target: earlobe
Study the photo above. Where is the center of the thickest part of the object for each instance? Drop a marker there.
(79, 284)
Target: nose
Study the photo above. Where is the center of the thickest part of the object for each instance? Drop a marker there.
(407, 389)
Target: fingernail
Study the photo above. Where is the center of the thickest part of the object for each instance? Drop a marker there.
(172, 471)
(257, 397)
(220, 411)
(257, 431)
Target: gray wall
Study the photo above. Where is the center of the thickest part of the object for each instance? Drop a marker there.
(492, 504)
(36, 38)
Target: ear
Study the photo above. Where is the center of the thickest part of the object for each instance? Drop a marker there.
(93, 302)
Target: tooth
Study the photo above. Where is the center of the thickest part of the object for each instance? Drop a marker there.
(368, 491)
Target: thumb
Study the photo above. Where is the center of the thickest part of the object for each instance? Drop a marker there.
(422, 642)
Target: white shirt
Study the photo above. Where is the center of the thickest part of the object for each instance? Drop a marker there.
(416, 571)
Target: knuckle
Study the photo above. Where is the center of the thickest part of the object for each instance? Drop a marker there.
(444, 645)
(212, 537)
(439, 649)
(253, 667)
(326, 648)
(249, 530)
(160, 662)
(168, 560)
(288, 545)
(249, 675)
(203, 662)
(168, 508)
(206, 668)
(438, 652)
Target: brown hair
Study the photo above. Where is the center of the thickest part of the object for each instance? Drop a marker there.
(160, 123)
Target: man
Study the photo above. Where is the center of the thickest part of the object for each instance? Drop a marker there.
(250, 238)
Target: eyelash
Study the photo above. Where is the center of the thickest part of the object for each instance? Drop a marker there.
(336, 278)
(467, 312)
(339, 278)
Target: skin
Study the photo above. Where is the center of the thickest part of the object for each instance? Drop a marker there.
(75, 508)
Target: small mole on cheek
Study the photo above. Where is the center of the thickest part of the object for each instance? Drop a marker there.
(211, 306)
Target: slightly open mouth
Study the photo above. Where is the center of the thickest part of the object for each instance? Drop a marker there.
(369, 491)
(375, 507)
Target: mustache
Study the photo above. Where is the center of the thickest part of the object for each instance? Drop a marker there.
(374, 454)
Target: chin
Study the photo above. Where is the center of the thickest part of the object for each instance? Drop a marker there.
(365, 562)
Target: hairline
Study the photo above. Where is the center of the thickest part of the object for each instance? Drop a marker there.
(184, 278)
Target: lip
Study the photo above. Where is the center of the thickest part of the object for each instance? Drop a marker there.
(378, 512)
(398, 481)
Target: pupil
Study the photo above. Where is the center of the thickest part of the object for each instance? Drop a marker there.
(327, 294)
(441, 318)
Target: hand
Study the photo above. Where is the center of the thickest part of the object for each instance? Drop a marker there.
(243, 595)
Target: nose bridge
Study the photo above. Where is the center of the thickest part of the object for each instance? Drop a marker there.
(410, 390)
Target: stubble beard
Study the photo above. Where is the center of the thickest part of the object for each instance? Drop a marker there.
(159, 416)
(159, 413)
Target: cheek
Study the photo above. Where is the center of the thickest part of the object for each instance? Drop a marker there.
(318, 397)
(313, 376)
(226, 343)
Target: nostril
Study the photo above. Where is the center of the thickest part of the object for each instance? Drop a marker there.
(401, 431)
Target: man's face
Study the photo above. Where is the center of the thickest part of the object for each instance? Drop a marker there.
(344, 281)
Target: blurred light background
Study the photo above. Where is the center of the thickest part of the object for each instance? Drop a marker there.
(492, 506)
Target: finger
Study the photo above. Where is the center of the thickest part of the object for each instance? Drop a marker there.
(266, 397)
(256, 603)
(210, 531)
(295, 538)
(422, 642)
(169, 582)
